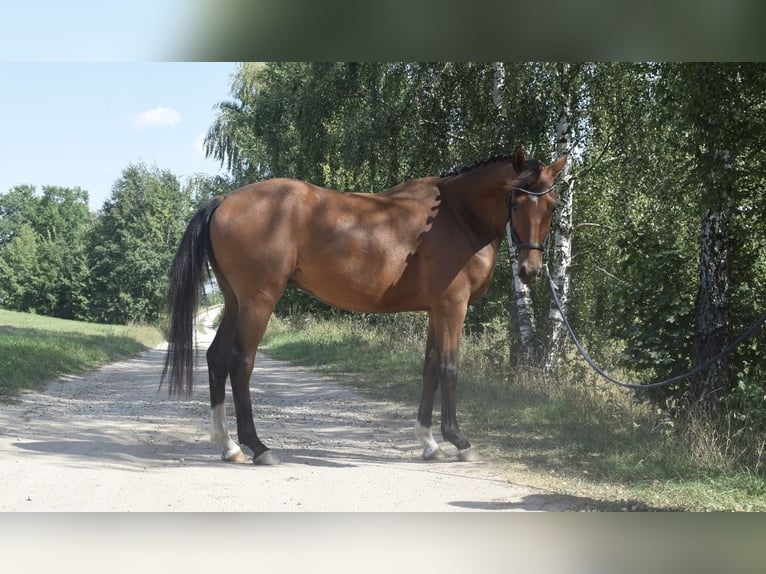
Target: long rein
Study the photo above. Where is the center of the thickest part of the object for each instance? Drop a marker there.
(749, 332)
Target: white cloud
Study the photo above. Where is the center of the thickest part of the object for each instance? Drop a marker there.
(159, 116)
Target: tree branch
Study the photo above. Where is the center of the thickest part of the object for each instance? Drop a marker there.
(584, 171)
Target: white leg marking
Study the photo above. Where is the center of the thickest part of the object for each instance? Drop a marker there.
(426, 438)
(219, 433)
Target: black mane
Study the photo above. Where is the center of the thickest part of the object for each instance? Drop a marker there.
(532, 165)
(479, 163)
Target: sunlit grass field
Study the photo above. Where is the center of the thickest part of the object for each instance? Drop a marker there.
(34, 349)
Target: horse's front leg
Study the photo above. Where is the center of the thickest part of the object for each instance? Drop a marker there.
(450, 429)
(431, 449)
(440, 369)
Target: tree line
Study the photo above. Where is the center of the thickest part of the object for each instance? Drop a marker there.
(659, 242)
(658, 246)
(59, 259)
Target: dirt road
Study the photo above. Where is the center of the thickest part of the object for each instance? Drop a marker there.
(111, 441)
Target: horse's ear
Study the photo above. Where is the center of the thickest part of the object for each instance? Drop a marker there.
(519, 160)
(559, 164)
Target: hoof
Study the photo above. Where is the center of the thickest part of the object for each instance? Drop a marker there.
(237, 456)
(266, 458)
(436, 454)
(468, 455)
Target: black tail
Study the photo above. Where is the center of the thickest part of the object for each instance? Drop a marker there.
(186, 278)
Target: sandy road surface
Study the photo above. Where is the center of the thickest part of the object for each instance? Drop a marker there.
(110, 441)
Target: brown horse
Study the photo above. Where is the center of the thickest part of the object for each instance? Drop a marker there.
(425, 245)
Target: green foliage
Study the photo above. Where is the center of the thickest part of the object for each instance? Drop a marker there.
(58, 259)
(17, 208)
(133, 243)
(202, 187)
(667, 142)
(657, 145)
(18, 270)
(43, 266)
(368, 126)
(657, 302)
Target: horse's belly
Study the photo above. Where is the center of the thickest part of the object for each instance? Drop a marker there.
(363, 292)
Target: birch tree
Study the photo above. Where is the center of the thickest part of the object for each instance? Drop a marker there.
(562, 228)
(523, 305)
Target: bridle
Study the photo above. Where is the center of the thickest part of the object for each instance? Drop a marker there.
(517, 243)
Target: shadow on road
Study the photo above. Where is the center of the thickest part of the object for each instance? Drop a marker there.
(557, 502)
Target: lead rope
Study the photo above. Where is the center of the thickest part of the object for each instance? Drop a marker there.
(752, 330)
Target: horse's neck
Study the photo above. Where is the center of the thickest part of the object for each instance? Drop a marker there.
(480, 201)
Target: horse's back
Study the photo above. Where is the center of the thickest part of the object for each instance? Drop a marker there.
(391, 251)
(351, 250)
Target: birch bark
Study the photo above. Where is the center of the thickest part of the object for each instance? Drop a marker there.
(522, 309)
(523, 305)
(563, 228)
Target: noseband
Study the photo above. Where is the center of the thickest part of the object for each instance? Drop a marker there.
(517, 243)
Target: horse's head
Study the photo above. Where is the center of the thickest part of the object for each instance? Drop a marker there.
(531, 204)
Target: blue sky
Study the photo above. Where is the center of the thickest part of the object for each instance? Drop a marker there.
(93, 30)
(81, 98)
(80, 124)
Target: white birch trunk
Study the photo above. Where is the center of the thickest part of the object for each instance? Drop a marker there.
(559, 267)
(524, 307)
(498, 84)
(562, 232)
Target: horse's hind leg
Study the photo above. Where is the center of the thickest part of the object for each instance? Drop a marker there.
(251, 326)
(218, 358)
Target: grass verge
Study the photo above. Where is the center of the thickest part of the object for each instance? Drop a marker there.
(35, 349)
(573, 436)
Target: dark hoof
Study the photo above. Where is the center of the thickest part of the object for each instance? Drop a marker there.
(266, 458)
(468, 455)
(437, 454)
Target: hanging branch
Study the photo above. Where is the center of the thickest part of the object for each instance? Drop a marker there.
(585, 170)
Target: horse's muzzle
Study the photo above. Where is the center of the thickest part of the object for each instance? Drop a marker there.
(530, 272)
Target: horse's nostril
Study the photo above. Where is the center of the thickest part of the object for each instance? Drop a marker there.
(529, 276)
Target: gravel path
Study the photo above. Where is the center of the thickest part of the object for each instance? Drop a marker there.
(111, 441)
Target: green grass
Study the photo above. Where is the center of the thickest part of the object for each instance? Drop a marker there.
(574, 435)
(35, 349)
